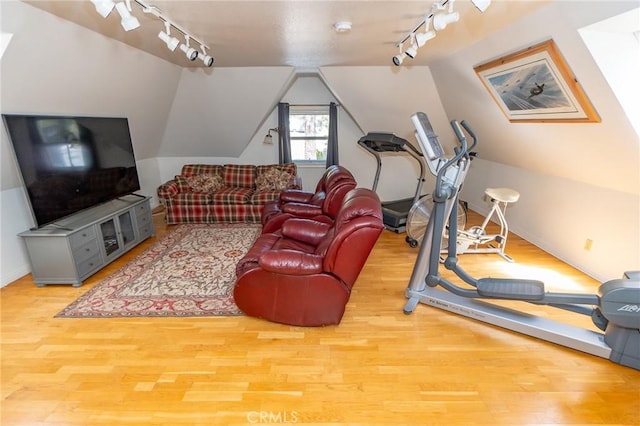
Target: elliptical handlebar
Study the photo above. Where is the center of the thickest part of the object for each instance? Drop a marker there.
(469, 130)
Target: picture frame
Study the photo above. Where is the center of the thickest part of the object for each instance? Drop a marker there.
(536, 85)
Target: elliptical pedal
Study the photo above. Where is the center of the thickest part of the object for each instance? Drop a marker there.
(513, 289)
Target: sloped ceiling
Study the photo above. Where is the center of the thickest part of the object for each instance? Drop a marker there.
(218, 117)
(296, 33)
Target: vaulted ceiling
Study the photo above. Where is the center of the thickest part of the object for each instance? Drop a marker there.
(296, 33)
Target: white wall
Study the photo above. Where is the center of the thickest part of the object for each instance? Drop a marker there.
(81, 73)
(216, 112)
(577, 181)
(559, 215)
(403, 93)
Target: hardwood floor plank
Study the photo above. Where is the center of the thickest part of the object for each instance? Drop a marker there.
(378, 367)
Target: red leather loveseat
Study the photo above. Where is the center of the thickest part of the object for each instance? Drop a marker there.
(322, 204)
(303, 274)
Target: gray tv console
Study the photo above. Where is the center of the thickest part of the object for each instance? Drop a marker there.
(71, 249)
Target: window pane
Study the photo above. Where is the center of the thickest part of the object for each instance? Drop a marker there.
(309, 125)
(309, 150)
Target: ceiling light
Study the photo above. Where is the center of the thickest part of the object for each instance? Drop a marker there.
(103, 7)
(412, 51)
(128, 21)
(482, 5)
(422, 38)
(189, 52)
(165, 36)
(397, 60)
(438, 17)
(342, 26)
(206, 59)
(441, 20)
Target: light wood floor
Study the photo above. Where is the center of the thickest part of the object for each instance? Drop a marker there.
(378, 367)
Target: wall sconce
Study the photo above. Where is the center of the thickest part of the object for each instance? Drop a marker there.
(268, 139)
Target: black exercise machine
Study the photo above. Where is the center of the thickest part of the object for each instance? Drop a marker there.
(394, 213)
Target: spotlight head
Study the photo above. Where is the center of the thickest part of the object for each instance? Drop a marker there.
(207, 60)
(482, 5)
(128, 21)
(412, 51)
(441, 20)
(190, 52)
(171, 42)
(103, 7)
(397, 60)
(422, 38)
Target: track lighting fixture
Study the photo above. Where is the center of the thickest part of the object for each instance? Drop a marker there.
(190, 52)
(482, 5)
(206, 59)
(438, 19)
(130, 22)
(103, 7)
(165, 36)
(412, 51)
(441, 20)
(397, 60)
(423, 37)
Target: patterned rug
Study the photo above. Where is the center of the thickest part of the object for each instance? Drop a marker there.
(189, 272)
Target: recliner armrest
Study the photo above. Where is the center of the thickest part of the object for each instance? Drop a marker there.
(291, 262)
(295, 196)
(301, 209)
(305, 230)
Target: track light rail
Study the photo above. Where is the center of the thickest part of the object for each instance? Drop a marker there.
(438, 19)
(130, 22)
(155, 11)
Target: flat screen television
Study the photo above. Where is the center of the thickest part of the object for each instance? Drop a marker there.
(69, 164)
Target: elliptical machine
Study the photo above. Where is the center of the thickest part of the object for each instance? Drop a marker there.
(615, 309)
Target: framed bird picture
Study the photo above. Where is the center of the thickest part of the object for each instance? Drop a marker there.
(536, 85)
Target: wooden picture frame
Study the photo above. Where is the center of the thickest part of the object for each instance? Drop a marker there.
(535, 85)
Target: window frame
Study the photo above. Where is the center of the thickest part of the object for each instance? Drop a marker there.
(321, 110)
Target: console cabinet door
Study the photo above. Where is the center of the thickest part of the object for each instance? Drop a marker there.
(110, 241)
(127, 231)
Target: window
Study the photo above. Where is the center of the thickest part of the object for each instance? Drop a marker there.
(614, 44)
(309, 133)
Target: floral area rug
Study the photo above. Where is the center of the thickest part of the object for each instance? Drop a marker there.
(189, 272)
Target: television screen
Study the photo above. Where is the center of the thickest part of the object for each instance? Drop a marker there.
(69, 164)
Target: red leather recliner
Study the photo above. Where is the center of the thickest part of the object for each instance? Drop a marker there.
(322, 205)
(303, 274)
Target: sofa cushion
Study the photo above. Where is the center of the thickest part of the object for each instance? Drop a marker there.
(239, 175)
(227, 195)
(199, 169)
(275, 178)
(204, 182)
(263, 197)
(191, 198)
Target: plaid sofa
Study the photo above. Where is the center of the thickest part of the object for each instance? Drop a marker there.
(230, 193)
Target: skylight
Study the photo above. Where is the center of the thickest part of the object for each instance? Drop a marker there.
(615, 46)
